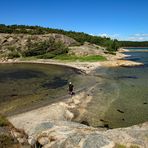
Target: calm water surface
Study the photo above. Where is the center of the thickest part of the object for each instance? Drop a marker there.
(122, 99)
(27, 86)
(119, 100)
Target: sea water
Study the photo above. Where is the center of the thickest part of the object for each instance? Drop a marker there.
(121, 99)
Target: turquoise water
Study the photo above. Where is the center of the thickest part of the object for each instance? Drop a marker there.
(122, 98)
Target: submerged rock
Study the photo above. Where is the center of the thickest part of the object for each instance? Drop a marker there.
(85, 123)
(120, 111)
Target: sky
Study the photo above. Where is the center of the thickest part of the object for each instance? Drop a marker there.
(121, 19)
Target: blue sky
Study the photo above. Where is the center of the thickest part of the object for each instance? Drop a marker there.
(122, 19)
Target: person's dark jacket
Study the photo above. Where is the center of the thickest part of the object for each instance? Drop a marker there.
(70, 87)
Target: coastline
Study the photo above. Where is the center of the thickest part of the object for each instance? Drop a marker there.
(65, 111)
(83, 67)
(86, 67)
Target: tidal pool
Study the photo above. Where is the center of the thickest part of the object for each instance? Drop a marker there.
(120, 98)
(27, 86)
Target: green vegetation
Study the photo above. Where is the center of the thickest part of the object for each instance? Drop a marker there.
(44, 49)
(81, 59)
(48, 49)
(119, 146)
(123, 146)
(3, 121)
(51, 48)
(112, 45)
(78, 36)
(133, 44)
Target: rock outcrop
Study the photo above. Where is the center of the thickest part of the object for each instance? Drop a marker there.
(20, 41)
(52, 127)
(87, 49)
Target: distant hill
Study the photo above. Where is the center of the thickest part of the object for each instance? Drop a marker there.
(78, 36)
(22, 41)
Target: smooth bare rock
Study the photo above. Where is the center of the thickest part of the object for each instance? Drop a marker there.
(70, 135)
(20, 41)
(134, 135)
(87, 49)
(52, 127)
(118, 63)
(32, 120)
(41, 127)
(97, 141)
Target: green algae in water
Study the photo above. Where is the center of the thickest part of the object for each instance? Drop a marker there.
(27, 86)
(121, 99)
(130, 107)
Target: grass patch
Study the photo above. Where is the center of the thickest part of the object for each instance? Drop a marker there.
(123, 146)
(3, 121)
(119, 146)
(93, 58)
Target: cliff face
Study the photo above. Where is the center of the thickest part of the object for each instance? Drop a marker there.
(20, 41)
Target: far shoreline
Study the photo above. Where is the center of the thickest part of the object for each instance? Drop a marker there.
(85, 67)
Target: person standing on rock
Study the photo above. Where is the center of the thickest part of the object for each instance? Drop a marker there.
(71, 88)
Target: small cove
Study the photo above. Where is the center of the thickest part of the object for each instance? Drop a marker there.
(25, 87)
(119, 98)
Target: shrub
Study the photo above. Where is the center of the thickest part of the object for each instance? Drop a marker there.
(3, 121)
(45, 49)
(14, 54)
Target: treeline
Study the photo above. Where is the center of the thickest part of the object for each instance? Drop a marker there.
(133, 44)
(81, 37)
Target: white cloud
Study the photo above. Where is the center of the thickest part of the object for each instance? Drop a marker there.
(136, 38)
(104, 35)
(113, 36)
(139, 37)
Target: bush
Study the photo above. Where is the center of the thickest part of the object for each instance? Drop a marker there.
(14, 54)
(46, 56)
(3, 121)
(45, 49)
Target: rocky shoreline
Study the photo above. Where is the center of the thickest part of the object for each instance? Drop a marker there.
(53, 126)
(87, 67)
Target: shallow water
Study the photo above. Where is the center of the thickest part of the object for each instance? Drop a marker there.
(122, 98)
(27, 86)
(119, 100)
